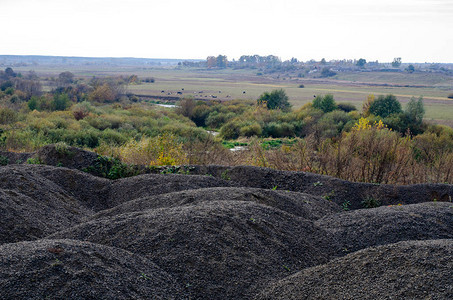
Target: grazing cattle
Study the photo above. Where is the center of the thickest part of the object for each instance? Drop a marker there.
(168, 93)
(162, 91)
(200, 92)
(243, 92)
(179, 93)
(213, 96)
(182, 89)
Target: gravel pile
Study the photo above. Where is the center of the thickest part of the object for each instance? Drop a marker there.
(32, 206)
(220, 249)
(364, 228)
(405, 270)
(68, 269)
(299, 204)
(126, 189)
(238, 233)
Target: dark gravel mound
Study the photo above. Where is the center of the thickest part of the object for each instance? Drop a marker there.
(220, 249)
(385, 225)
(131, 188)
(15, 157)
(32, 206)
(336, 189)
(406, 270)
(66, 156)
(299, 204)
(24, 218)
(90, 190)
(67, 269)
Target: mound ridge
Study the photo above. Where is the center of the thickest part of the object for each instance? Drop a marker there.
(299, 204)
(37, 200)
(337, 190)
(405, 270)
(68, 269)
(221, 249)
(32, 206)
(364, 228)
(126, 189)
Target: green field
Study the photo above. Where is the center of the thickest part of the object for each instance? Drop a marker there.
(350, 87)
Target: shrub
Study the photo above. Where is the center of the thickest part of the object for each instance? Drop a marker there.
(111, 168)
(230, 130)
(277, 99)
(251, 130)
(216, 119)
(165, 149)
(60, 102)
(34, 161)
(7, 116)
(384, 106)
(326, 103)
(3, 160)
(371, 202)
(277, 130)
(327, 72)
(346, 107)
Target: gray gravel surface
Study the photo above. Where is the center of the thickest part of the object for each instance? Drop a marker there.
(225, 236)
(299, 204)
(221, 249)
(68, 269)
(405, 270)
(363, 228)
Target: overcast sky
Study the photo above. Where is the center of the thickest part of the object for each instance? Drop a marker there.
(416, 30)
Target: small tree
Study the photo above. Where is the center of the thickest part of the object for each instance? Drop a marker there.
(415, 110)
(385, 106)
(327, 72)
(410, 69)
(186, 107)
(65, 78)
(277, 99)
(361, 62)
(326, 103)
(366, 105)
(396, 62)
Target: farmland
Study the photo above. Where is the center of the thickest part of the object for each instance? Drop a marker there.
(227, 84)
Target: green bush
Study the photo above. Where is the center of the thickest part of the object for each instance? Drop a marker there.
(326, 103)
(346, 107)
(3, 160)
(385, 106)
(277, 99)
(7, 116)
(251, 130)
(277, 130)
(230, 130)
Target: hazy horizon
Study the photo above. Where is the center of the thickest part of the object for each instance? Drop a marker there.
(415, 30)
